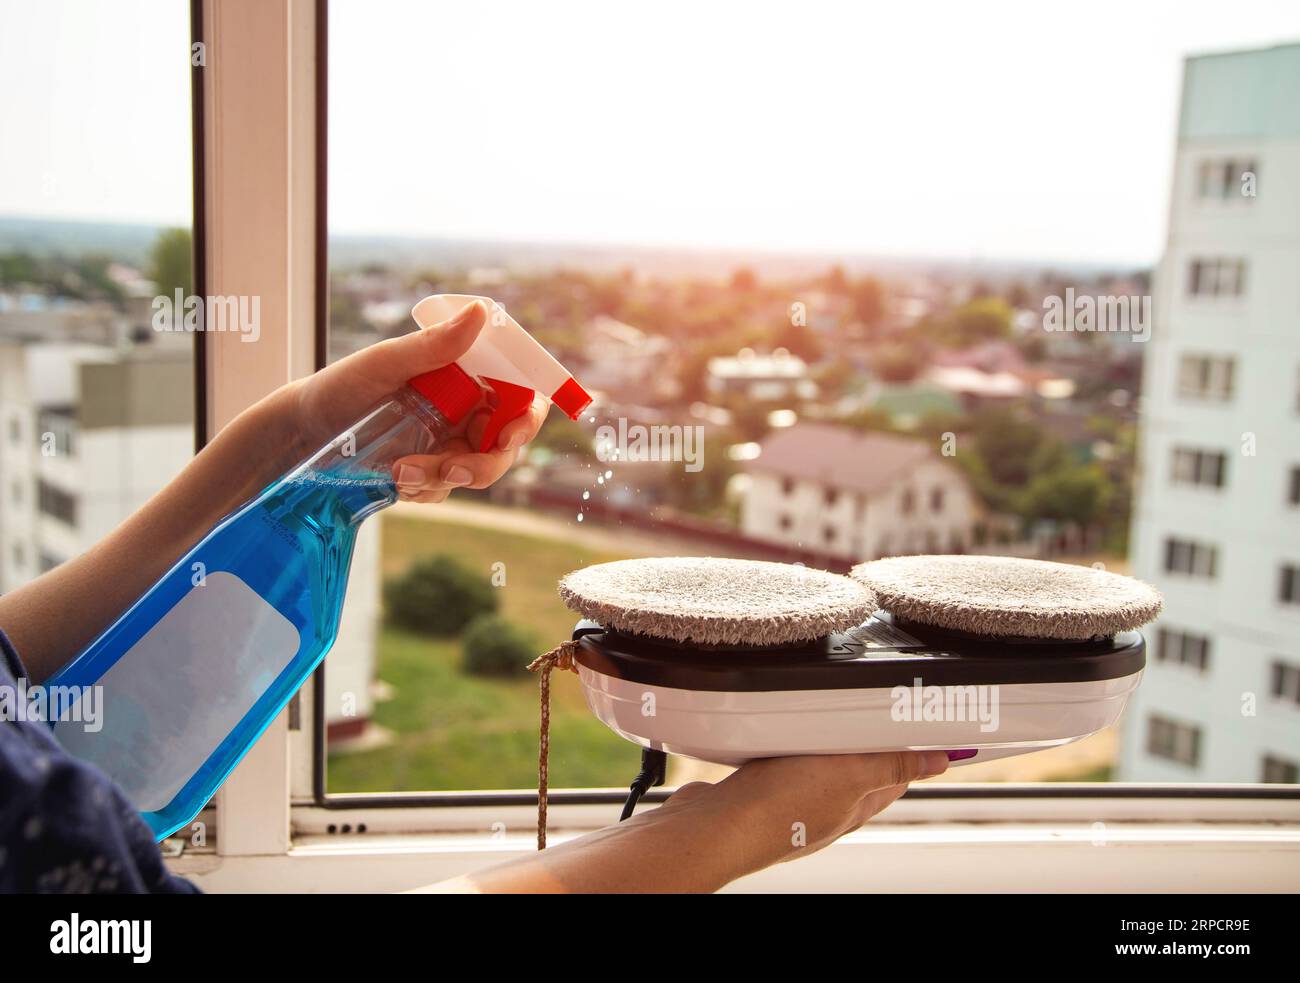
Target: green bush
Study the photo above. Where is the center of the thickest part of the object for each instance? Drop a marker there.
(496, 647)
(438, 596)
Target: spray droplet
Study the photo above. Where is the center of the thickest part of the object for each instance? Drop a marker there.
(586, 495)
(609, 474)
(600, 481)
(579, 516)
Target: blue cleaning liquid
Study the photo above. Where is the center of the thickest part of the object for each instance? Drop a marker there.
(193, 673)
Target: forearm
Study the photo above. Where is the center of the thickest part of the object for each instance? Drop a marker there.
(55, 616)
(682, 847)
(705, 836)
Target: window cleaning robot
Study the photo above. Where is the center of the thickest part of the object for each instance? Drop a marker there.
(731, 660)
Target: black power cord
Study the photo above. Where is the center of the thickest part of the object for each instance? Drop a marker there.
(654, 772)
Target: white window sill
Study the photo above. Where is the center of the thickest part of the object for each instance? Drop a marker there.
(881, 858)
(1033, 845)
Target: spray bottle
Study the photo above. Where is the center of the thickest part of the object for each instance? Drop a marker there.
(196, 669)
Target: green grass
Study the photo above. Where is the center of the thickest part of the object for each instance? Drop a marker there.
(1100, 773)
(457, 731)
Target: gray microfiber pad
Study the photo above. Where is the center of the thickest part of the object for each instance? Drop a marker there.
(712, 601)
(1007, 596)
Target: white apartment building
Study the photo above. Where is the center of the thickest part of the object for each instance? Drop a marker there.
(88, 432)
(857, 496)
(761, 377)
(1217, 516)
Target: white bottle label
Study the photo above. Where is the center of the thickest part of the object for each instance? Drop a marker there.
(176, 694)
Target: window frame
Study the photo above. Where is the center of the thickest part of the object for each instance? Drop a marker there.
(280, 790)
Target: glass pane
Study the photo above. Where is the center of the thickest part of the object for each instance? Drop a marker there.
(798, 241)
(96, 404)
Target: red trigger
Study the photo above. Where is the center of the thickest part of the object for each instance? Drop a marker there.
(513, 402)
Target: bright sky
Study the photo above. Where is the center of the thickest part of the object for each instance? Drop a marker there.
(1038, 131)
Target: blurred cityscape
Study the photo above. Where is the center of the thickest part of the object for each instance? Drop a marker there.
(824, 411)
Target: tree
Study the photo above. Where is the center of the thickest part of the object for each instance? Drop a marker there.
(985, 319)
(836, 280)
(798, 339)
(869, 301)
(1075, 494)
(898, 362)
(704, 491)
(494, 646)
(170, 262)
(438, 595)
(743, 279)
(18, 268)
(1009, 450)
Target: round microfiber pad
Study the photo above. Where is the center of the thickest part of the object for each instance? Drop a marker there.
(710, 601)
(1008, 596)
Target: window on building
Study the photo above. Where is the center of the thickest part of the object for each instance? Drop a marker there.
(1289, 584)
(15, 430)
(1285, 683)
(19, 555)
(1190, 557)
(1183, 648)
(1198, 467)
(1220, 179)
(1279, 771)
(1293, 490)
(1206, 377)
(372, 285)
(1173, 741)
(1217, 277)
(56, 502)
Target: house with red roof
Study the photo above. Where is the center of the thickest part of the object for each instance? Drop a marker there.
(858, 495)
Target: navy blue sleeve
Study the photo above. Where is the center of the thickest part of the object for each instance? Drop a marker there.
(64, 826)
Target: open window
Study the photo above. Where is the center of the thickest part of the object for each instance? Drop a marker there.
(349, 159)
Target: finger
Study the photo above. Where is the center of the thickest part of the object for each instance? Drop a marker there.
(516, 432)
(456, 469)
(892, 768)
(390, 363)
(477, 470)
(521, 430)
